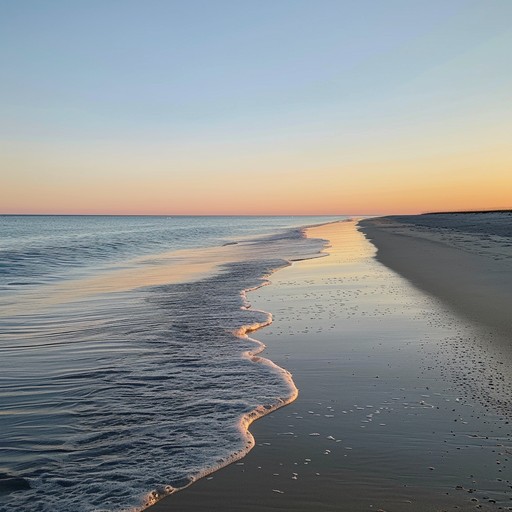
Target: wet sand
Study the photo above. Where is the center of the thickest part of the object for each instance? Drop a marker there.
(402, 405)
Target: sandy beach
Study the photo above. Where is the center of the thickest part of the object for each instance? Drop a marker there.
(403, 402)
(464, 259)
(219, 288)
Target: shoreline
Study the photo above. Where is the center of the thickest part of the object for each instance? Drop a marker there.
(245, 422)
(322, 449)
(155, 496)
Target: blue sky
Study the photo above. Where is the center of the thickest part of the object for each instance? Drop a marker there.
(149, 81)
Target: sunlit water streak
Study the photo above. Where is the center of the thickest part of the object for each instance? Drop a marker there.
(105, 397)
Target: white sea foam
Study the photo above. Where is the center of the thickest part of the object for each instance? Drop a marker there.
(247, 419)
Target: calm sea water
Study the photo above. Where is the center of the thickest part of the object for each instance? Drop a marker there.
(110, 394)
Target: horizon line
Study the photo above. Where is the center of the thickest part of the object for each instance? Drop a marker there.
(380, 214)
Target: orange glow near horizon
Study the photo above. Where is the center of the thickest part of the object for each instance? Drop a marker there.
(404, 171)
(386, 203)
(464, 181)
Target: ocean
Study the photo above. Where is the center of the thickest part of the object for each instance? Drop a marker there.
(126, 371)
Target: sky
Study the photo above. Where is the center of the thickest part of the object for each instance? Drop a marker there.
(244, 107)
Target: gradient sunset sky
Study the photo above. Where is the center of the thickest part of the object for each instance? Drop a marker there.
(245, 107)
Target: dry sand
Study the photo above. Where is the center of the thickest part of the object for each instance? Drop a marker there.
(402, 405)
(464, 259)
